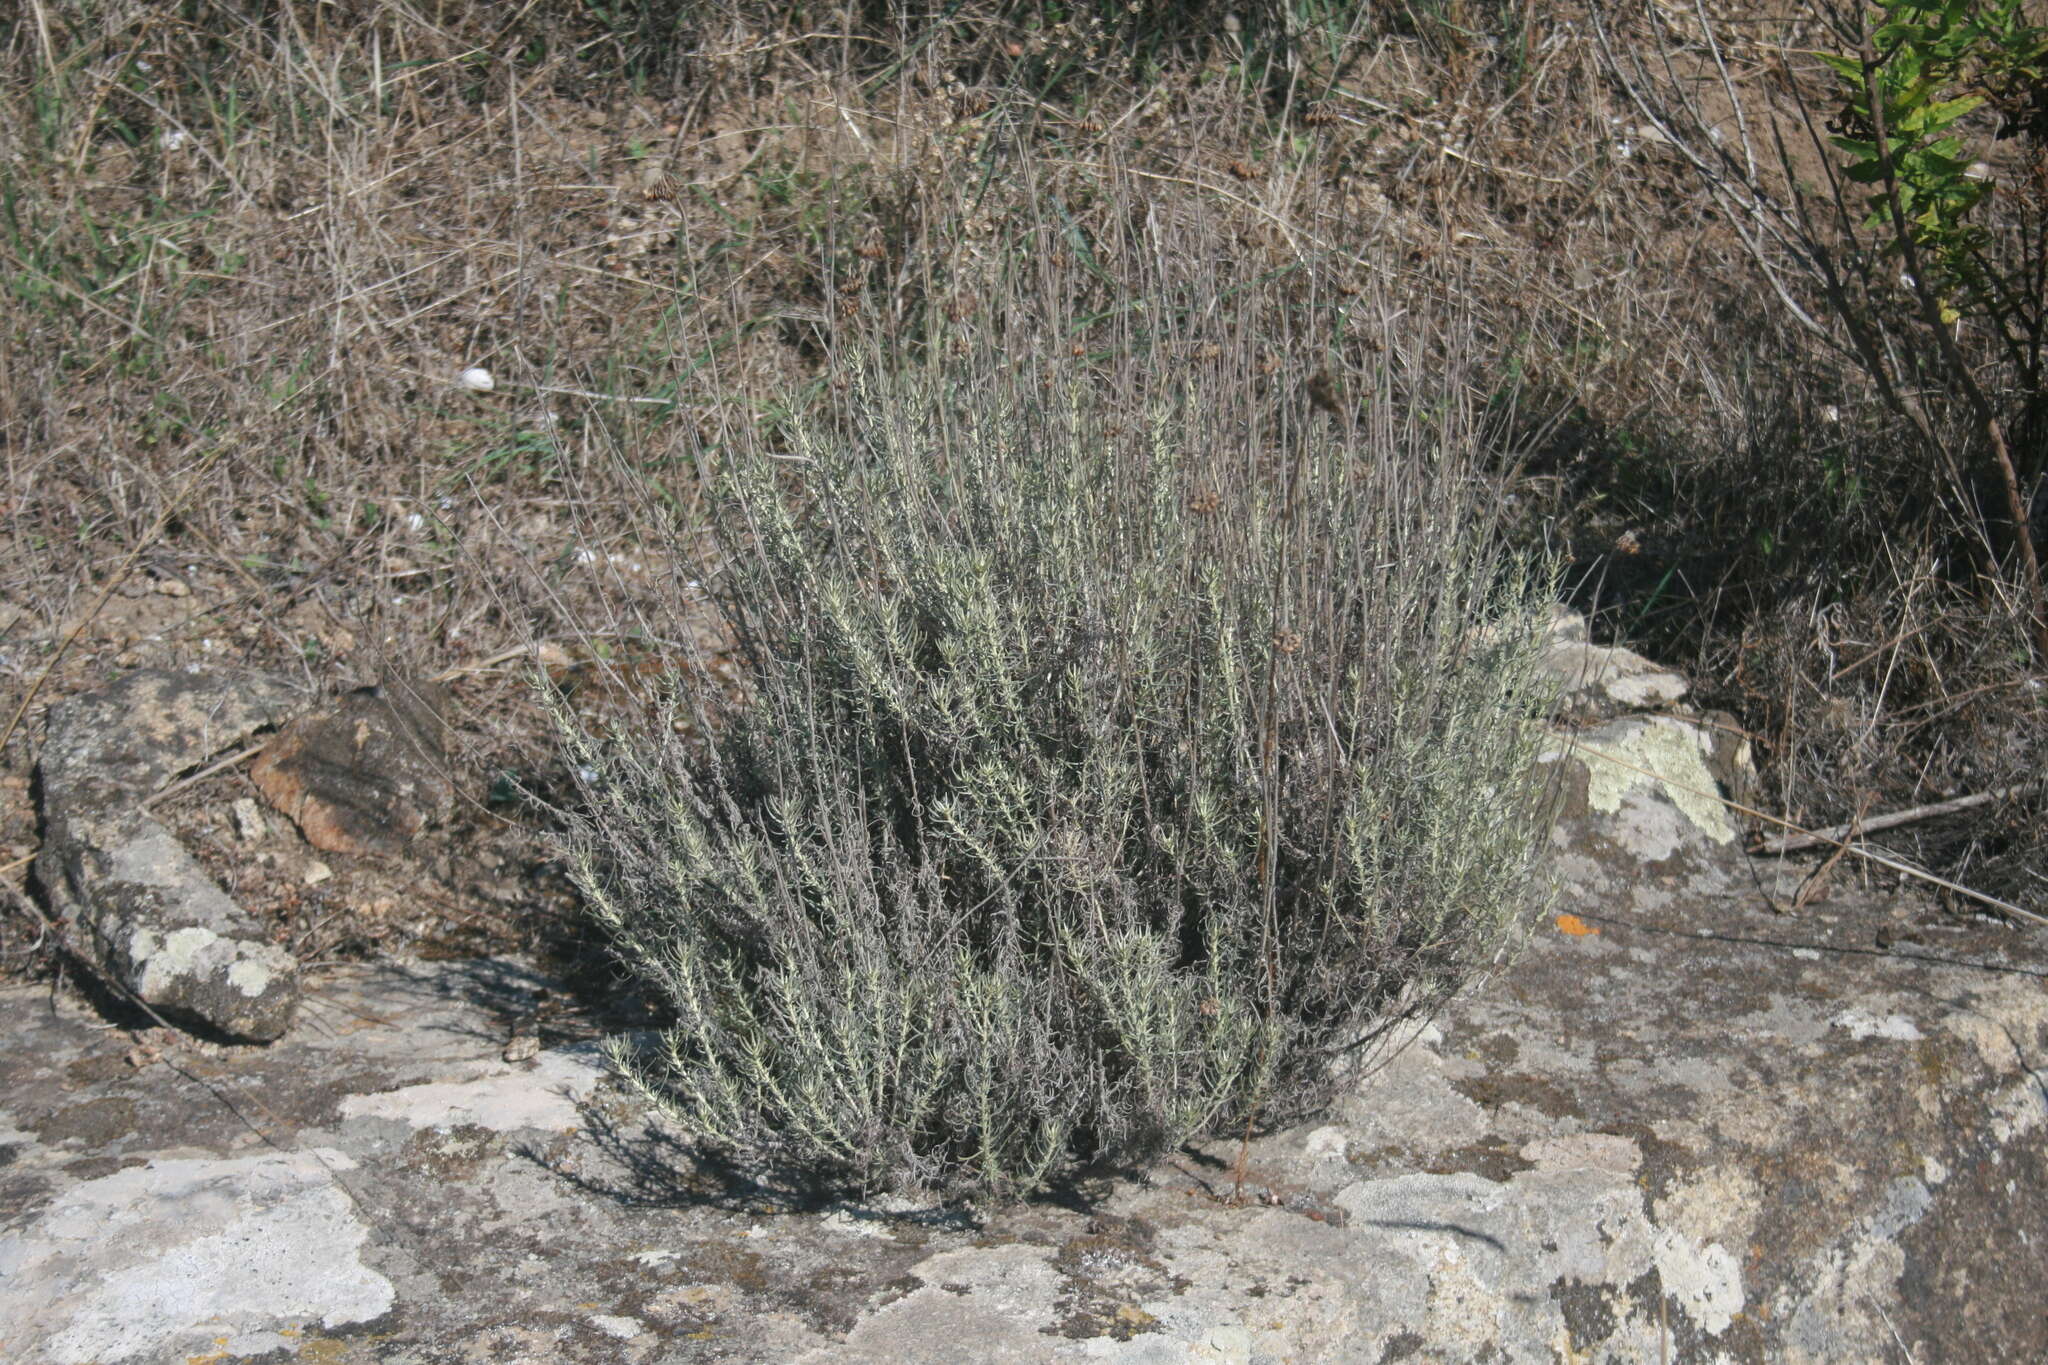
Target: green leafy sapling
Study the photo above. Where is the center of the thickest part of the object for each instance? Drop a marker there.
(1923, 68)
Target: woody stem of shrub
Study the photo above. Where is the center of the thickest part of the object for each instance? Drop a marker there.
(1269, 817)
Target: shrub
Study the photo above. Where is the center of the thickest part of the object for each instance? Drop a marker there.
(1094, 786)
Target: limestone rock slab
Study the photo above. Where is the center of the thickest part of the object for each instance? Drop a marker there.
(1644, 811)
(250, 1245)
(1648, 788)
(1599, 682)
(1679, 1138)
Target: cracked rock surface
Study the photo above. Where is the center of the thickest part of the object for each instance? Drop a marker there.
(154, 921)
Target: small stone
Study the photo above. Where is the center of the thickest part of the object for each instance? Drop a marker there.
(524, 1048)
(317, 872)
(614, 1325)
(367, 776)
(1225, 1342)
(153, 921)
(249, 822)
(173, 587)
(1327, 1143)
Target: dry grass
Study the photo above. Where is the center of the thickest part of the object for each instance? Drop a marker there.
(247, 249)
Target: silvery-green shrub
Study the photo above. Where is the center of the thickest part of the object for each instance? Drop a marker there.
(1095, 781)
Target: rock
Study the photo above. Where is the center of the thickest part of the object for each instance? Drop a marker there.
(1701, 1137)
(154, 922)
(1597, 682)
(365, 777)
(1647, 788)
(248, 820)
(1642, 811)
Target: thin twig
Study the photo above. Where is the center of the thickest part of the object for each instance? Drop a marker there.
(479, 665)
(195, 779)
(1792, 843)
(1817, 880)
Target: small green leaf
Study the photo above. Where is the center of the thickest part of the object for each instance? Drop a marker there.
(1948, 111)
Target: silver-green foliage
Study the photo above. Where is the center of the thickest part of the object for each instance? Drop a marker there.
(1086, 796)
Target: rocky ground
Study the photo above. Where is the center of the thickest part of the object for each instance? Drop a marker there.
(1708, 1133)
(1707, 1115)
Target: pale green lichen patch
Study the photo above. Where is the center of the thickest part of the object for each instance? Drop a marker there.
(1625, 757)
(182, 947)
(143, 945)
(163, 959)
(1706, 1280)
(250, 978)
